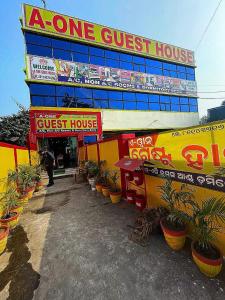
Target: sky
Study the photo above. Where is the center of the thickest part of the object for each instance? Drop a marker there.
(176, 22)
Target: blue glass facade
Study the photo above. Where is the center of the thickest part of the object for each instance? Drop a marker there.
(66, 96)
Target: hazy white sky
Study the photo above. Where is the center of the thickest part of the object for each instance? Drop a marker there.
(179, 22)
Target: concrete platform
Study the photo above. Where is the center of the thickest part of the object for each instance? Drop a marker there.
(73, 244)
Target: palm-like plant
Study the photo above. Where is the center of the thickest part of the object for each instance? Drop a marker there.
(174, 199)
(206, 220)
(114, 176)
(9, 200)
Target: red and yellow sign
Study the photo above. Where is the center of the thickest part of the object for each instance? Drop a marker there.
(61, 123)
(192, 155)
(42, 20)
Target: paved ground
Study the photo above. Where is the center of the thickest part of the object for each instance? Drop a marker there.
(72, 244)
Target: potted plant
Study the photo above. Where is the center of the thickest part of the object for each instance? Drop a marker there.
(100, 178)
(115, 192)
(174, 225)
(4, 232)
(38, 181)
(9, 201)
(26, 180)
(93, 170)
(207, 220)
(105, 185)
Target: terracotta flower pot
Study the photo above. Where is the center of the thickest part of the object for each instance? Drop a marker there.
(18, 209)
(11, 222)
(115, 196)
(105, 191)
(208, 266)
(4, 232)
(175, 239)
(30, 192)
(140, 202)
(138, 178)
(131, 196)
(38, 186)
(129, 176)
(98, 187)
(23, 199)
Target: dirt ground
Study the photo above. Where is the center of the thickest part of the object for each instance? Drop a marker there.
(72, 243)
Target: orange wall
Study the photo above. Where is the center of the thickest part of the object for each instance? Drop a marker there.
(92, 152)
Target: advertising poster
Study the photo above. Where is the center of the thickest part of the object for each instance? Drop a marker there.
(56, 122)
(55, 70)
(194, 155)
(46, 21)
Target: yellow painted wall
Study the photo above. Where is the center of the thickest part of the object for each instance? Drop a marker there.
(7, 162)
(109, 151)
(154, 199)
(81, 154)
(92, 152)
(34, 157)
(22, 156)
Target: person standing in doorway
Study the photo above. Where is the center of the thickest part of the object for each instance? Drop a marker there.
(48, 161)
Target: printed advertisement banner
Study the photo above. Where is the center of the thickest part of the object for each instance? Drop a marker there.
(194, 155)
(55, 70)
(42, 20)
(55, 122)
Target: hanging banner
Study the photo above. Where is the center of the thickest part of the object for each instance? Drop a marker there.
(194, 155)
(64, 123)
(46, 21)
(55, 70)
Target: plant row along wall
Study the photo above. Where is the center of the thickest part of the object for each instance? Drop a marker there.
(194, 156)
(10, 157)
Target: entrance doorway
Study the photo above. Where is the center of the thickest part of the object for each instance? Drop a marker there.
(64, 149)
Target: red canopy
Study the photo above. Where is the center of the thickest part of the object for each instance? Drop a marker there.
(129, 164)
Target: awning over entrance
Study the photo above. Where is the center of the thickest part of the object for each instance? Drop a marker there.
(129, 164)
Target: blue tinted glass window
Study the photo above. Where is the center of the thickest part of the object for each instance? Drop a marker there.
(153, 63)
(142, 69)
(100, 94)
(96, 51)
(153, 98)
(181, 69)
(97, 60)
(127, 96)
(173, 74)
(79, 48)
(154, 106)
(138, 60)
(183, 100)
(136, 68)
(104, 104)
(174, 100)
(157, 71)
(162, 106)
(175, 107)
(164, 99)
(42, 89)
(142, 97)
(64, 90)
(115, 104)
(193, 108)
(85, 103)
(37, 39)
(142, 105)
(126, 65)
(39, 50)
(130, 105)
(112, 63)
(181, 75)
(61, 54)
(97, 103)
(190, 77)
(112, 54)
(184, 108)
(193, 101)
(115, 95)
(125, 57)
(43, 101)
(66, 101)
(166, 73)
(90, 139)
(61, 44)
(83, 93)
(166, 66)
(78, 57)
(168, 107)
(190, 70)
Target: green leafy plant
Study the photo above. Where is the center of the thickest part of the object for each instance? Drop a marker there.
(207, 220)
(114, 176)
(174, 199)
(92, 168)
(9, 200)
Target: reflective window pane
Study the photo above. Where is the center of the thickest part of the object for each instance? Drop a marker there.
(37, 39)
(79, 48)
(64, 91)
(142, 105)
(42, 89)
(183, 100)
(153, 63)
(190, 77)
(193, 101)
(174, 100)
(138, 60)
(142, 97)
(190, 70)
(61, 54)
(100, 94)
(83, 93)
(175, 107)
(85, 103)
(97, 60)
(125, 57)
(115, 95)
(181, 68)
(130, 105)
(43, 101)
(193, 108)
(112, 54)
(61, 44)
(184, 108)
(115, 104)
(112, 63)
(164, 99)
(126, 65)
(39, 50)
(154, 106)
(78, 57)
(127, 96)
(153, 98)
(96, 51)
